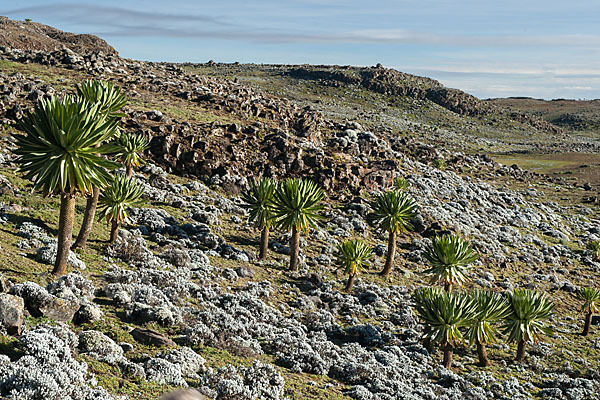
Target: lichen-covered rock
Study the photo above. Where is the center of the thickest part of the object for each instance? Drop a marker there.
(47, 255)
(99, 346)
(177, 257)
(164, 372)
(11, 313)
(33, 295)
(260, 381)
(41, 303)
(131, 247)
(71, 284)
(87, 312)
(188, 360)
(29, 230)
(48, 370)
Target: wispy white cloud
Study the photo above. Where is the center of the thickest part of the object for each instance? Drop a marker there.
(110, 21)
(111, 15)
(535, 48)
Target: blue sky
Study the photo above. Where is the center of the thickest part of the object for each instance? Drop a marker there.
(545, 49)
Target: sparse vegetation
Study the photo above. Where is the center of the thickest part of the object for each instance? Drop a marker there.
(296, 206)
(131, 147)
(60, 154)
(594, 247)
(188, 250)
(400, 183)
(109, 100)
(352, 256)
(123, 192)
(444, 315)
(491, 308)
(392, 212)
(591, 305)
(450, 257)
(528, 311)
(440, 164)
(258, 201)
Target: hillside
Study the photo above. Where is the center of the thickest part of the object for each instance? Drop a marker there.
(571, 115)
(181, 300)
(35, 36)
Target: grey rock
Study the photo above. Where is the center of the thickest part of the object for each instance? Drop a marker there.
(99, 346)
(164, 372)
(11, 313)
(47, 255)
(87, 312)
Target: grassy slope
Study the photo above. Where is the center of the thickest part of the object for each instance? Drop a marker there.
(18, 265)
(374, 110)
(508, 141)
(585, 113)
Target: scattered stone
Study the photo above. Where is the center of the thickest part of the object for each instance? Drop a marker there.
(99, 346)
(88, 312)
(150, 337)
(47, 255)
(11, 313)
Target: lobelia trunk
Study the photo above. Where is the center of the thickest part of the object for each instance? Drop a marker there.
(389, 260)
(521, 351)
(448, 287)
(88, 219)
(448, 356)
(350, 282)
(484, 361)
(264, 243)
(587, 324)
(65, 233)
(114, 231)
(129, 170)
(426, 340)
(294, 248)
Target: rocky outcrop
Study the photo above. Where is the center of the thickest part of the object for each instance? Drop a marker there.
(35, 36)
(394, 83)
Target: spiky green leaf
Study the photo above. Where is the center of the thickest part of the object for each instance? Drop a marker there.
(58, 150)
(129, 148)
(492, 308)
(106, 95)
(353, 255)
(528, 310)
(590, 298)
(450, 257)
(393, 211)
(122, 193)
(444, 314)
(297, 202)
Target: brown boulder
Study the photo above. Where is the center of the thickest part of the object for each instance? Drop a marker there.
(11, 313)
(151, 337)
